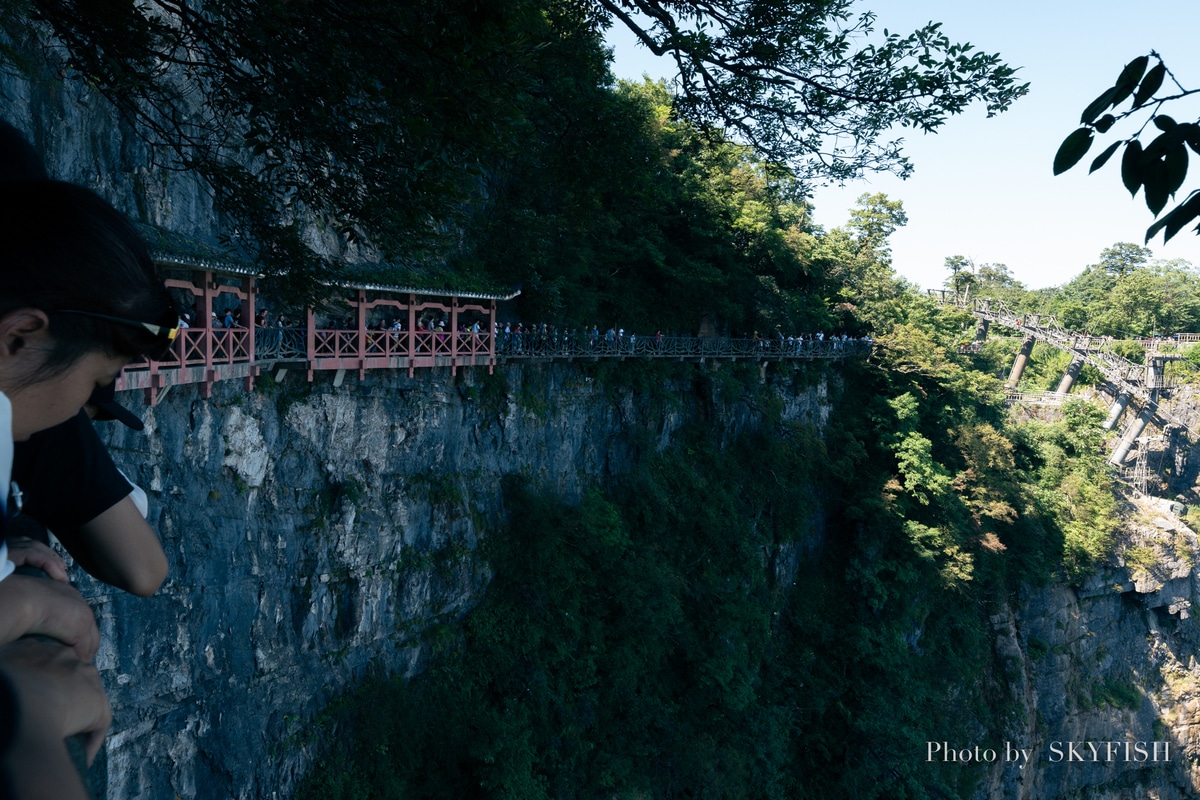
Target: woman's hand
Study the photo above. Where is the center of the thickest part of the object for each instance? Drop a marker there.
(57, 697)
(31, 605)
(25, 551)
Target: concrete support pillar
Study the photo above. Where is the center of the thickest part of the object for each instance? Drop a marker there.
(361, 309)
(412, 332)
(207, 296)
(310, 339)
(1014, 377)
(248, 311)
(453, 335)
(1132, 432)
(981, 330)
(491, 336)
(1154, 373)
(208, 299)
(1070, 375)
(1118, 408)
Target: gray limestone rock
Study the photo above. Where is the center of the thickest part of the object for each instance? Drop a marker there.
(314, 532)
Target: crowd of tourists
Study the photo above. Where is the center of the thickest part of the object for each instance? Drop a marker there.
(549, 340)
(516, 339)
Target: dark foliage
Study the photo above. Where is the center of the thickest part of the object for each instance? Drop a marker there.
(1157, 168)
(382, 126)
(781, 618)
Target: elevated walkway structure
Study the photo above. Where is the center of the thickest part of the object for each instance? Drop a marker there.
(1142, 384)
(468, 335)
(207, 351)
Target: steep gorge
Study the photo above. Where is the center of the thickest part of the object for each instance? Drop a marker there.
(314, 532)
(1113, 660)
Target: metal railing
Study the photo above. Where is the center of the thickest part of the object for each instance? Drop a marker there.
(280, 344)
(197, 353)
(579, 344)
(1036, 398)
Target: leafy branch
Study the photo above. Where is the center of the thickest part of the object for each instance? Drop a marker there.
(362, 125)
(804, 84)
(1160, 167)
(380, 130)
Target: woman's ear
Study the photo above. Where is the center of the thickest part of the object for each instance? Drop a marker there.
(20, 328)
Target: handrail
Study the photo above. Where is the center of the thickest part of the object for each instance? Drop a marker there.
(1035, 398)
(575, 344)
(207, 355)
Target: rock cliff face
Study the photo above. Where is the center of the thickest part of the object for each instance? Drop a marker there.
(1113, 661)
(313, 532)
(83, 140)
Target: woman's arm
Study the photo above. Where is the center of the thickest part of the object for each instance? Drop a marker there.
(120, 548)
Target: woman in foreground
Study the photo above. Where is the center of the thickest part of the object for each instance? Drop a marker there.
(79, 299)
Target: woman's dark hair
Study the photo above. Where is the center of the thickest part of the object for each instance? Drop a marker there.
(18, 160)
(64, 248)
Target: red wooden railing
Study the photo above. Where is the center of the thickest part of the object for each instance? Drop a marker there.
(208, 352)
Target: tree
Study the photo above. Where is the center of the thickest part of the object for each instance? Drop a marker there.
(1158, 168)
(1123, 258)
(856, 260)
(367, 124)
(997, 276)
(661, 227)
(962, 273)
(1157, 299)
(377, 124)
(985, 280)
(809, 84)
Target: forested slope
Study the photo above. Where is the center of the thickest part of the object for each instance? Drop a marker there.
(788, 612)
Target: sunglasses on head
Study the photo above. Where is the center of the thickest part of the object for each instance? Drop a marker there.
(167, 334)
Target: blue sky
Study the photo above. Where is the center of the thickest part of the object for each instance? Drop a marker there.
(983, 188)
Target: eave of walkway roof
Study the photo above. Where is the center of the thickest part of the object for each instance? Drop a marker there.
(190, 262)
(385, 287)
(176, 250)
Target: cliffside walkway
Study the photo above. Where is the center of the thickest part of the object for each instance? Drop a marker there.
(1143, 383)
(1036, 398)
(208, 352)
